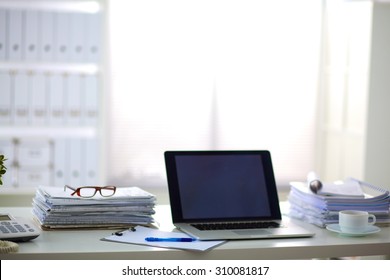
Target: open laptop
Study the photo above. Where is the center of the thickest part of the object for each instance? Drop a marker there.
(226, 195)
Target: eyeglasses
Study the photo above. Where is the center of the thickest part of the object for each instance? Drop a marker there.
(90, 191)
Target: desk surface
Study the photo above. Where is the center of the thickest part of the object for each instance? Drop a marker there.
(86, 244)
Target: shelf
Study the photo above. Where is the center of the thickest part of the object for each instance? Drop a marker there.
(58, 6)
(47, 67)
(51, 71)
(48, 131)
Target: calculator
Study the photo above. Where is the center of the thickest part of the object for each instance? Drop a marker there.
(12, 229)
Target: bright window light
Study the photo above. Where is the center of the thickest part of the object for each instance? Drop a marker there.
(212, 74)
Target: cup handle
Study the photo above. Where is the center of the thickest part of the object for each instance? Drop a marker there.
(373, 219)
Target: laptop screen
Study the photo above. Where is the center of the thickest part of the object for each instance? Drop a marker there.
(221, 185)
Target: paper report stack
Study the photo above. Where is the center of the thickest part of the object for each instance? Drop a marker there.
(322, 208)
(54, 208)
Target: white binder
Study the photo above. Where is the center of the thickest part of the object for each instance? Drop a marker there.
(76, 162)
(3, 33)
(73, 99)
(93, 43)
(60, 158)
(22, 101)
(34, 161)
(61, 38)
(5, 100)
(34, 153)
(91, 100)
(56, 99)
(91, 162)
(46, 46)
(15, 31)
(32, 177)
(38, 99)
(30, 43)
(77, 37)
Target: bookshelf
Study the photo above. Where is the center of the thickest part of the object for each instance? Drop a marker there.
(52, 105)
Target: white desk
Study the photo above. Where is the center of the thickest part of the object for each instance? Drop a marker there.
(86, 244)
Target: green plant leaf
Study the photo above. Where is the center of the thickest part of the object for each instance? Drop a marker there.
(3, 169)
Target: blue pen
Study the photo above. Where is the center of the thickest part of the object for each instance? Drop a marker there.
(170, 239)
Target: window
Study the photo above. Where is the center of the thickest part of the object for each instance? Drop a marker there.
(211, 74)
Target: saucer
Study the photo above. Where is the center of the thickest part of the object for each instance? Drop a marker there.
(369, 230)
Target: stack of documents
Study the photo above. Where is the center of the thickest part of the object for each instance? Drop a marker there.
(55, 208)
(322, 208)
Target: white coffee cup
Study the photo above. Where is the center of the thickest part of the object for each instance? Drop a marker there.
(353, 221)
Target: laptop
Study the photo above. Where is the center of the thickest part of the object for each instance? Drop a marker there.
(217, 195)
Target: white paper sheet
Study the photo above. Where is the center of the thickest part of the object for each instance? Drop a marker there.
(138, 237)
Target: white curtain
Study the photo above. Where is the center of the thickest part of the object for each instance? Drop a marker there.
(212, 74)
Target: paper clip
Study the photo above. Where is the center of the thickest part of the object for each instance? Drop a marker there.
(120, 233)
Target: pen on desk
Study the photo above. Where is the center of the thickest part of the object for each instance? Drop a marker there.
(169, 239)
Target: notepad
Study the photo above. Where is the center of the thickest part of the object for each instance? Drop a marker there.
(138, 237)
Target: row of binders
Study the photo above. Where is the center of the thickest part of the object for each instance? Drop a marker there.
(322, 208)
(55, 99)
(56, 208)
(37, 162)
(49, 36)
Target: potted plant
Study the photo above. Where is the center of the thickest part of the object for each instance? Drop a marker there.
(5, 245)
(3, 169)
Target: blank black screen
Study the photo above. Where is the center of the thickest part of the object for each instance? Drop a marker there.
(222, 186)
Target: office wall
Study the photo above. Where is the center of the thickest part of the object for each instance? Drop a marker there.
(354, 122)
(377, 160)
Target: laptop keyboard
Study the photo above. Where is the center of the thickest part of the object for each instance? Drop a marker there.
(228, 226)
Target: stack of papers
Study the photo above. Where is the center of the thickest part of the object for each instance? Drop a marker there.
(322, 208)
(55, 208)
